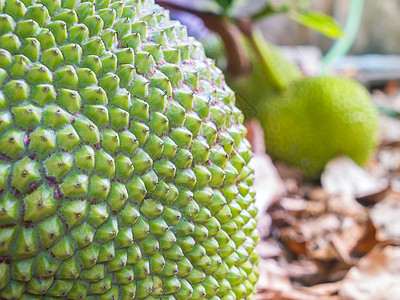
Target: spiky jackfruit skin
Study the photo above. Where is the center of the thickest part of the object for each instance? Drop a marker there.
(316, 119)
(123, 168)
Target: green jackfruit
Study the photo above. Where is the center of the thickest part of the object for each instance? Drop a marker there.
(316, 119)
(123, 159)
(306, 121)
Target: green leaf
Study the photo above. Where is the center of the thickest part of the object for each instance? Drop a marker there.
(225, 4)
(387, 111)
(319, 22)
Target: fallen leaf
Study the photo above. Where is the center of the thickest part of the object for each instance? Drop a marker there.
(304, 271)
(320, 226)
(341, 248)
(372, 199)
(315, 208)
(321, 249)
(375, 277)
(292, 295)
(300, 208)
(367, 242)
(324, 289)
(292, 186)
(268, 249)
(347, 205)
(389, 158)
(344, 242)
(272, 276)
(301, 295)
(311, 272)
(318, 194)
(268, 295)
(385, 216)
(395, 184)
(342, 176)
(295, 207)
(331, 271)
(294, 240)
(281, 218)
(389, 130)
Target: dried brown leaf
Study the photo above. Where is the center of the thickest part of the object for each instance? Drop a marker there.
(331, 271)
(294, 240)
(301, 295)
(292, 295)
(367, 242)
(374, 198)
(342, 176)
(389, 158)
(281, 218)
(350, 235)
(324, 289)
(375, 277)
(321, 249)
(320, 226)
(389, 130)
(341, 248)
(268, 249)
(395, 184)
(272, 276)
(304, 271)
(347, 206)
(318, 194)
(268, 295)
(385, 216)
(315, 208)
(295, 207)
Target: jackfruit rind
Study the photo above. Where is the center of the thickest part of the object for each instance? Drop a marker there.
(123, 162)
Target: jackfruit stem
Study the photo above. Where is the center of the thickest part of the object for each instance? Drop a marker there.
(264, 52)
(232, 32)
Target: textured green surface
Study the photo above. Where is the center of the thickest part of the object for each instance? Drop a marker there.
(123, 163)
(316, 119)
(270, 73)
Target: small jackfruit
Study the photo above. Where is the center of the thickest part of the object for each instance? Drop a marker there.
(316, 119)
(123, 158)
(306, 121)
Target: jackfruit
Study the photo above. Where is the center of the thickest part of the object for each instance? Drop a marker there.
(318, 118)
(306, 121)
(123, 160)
